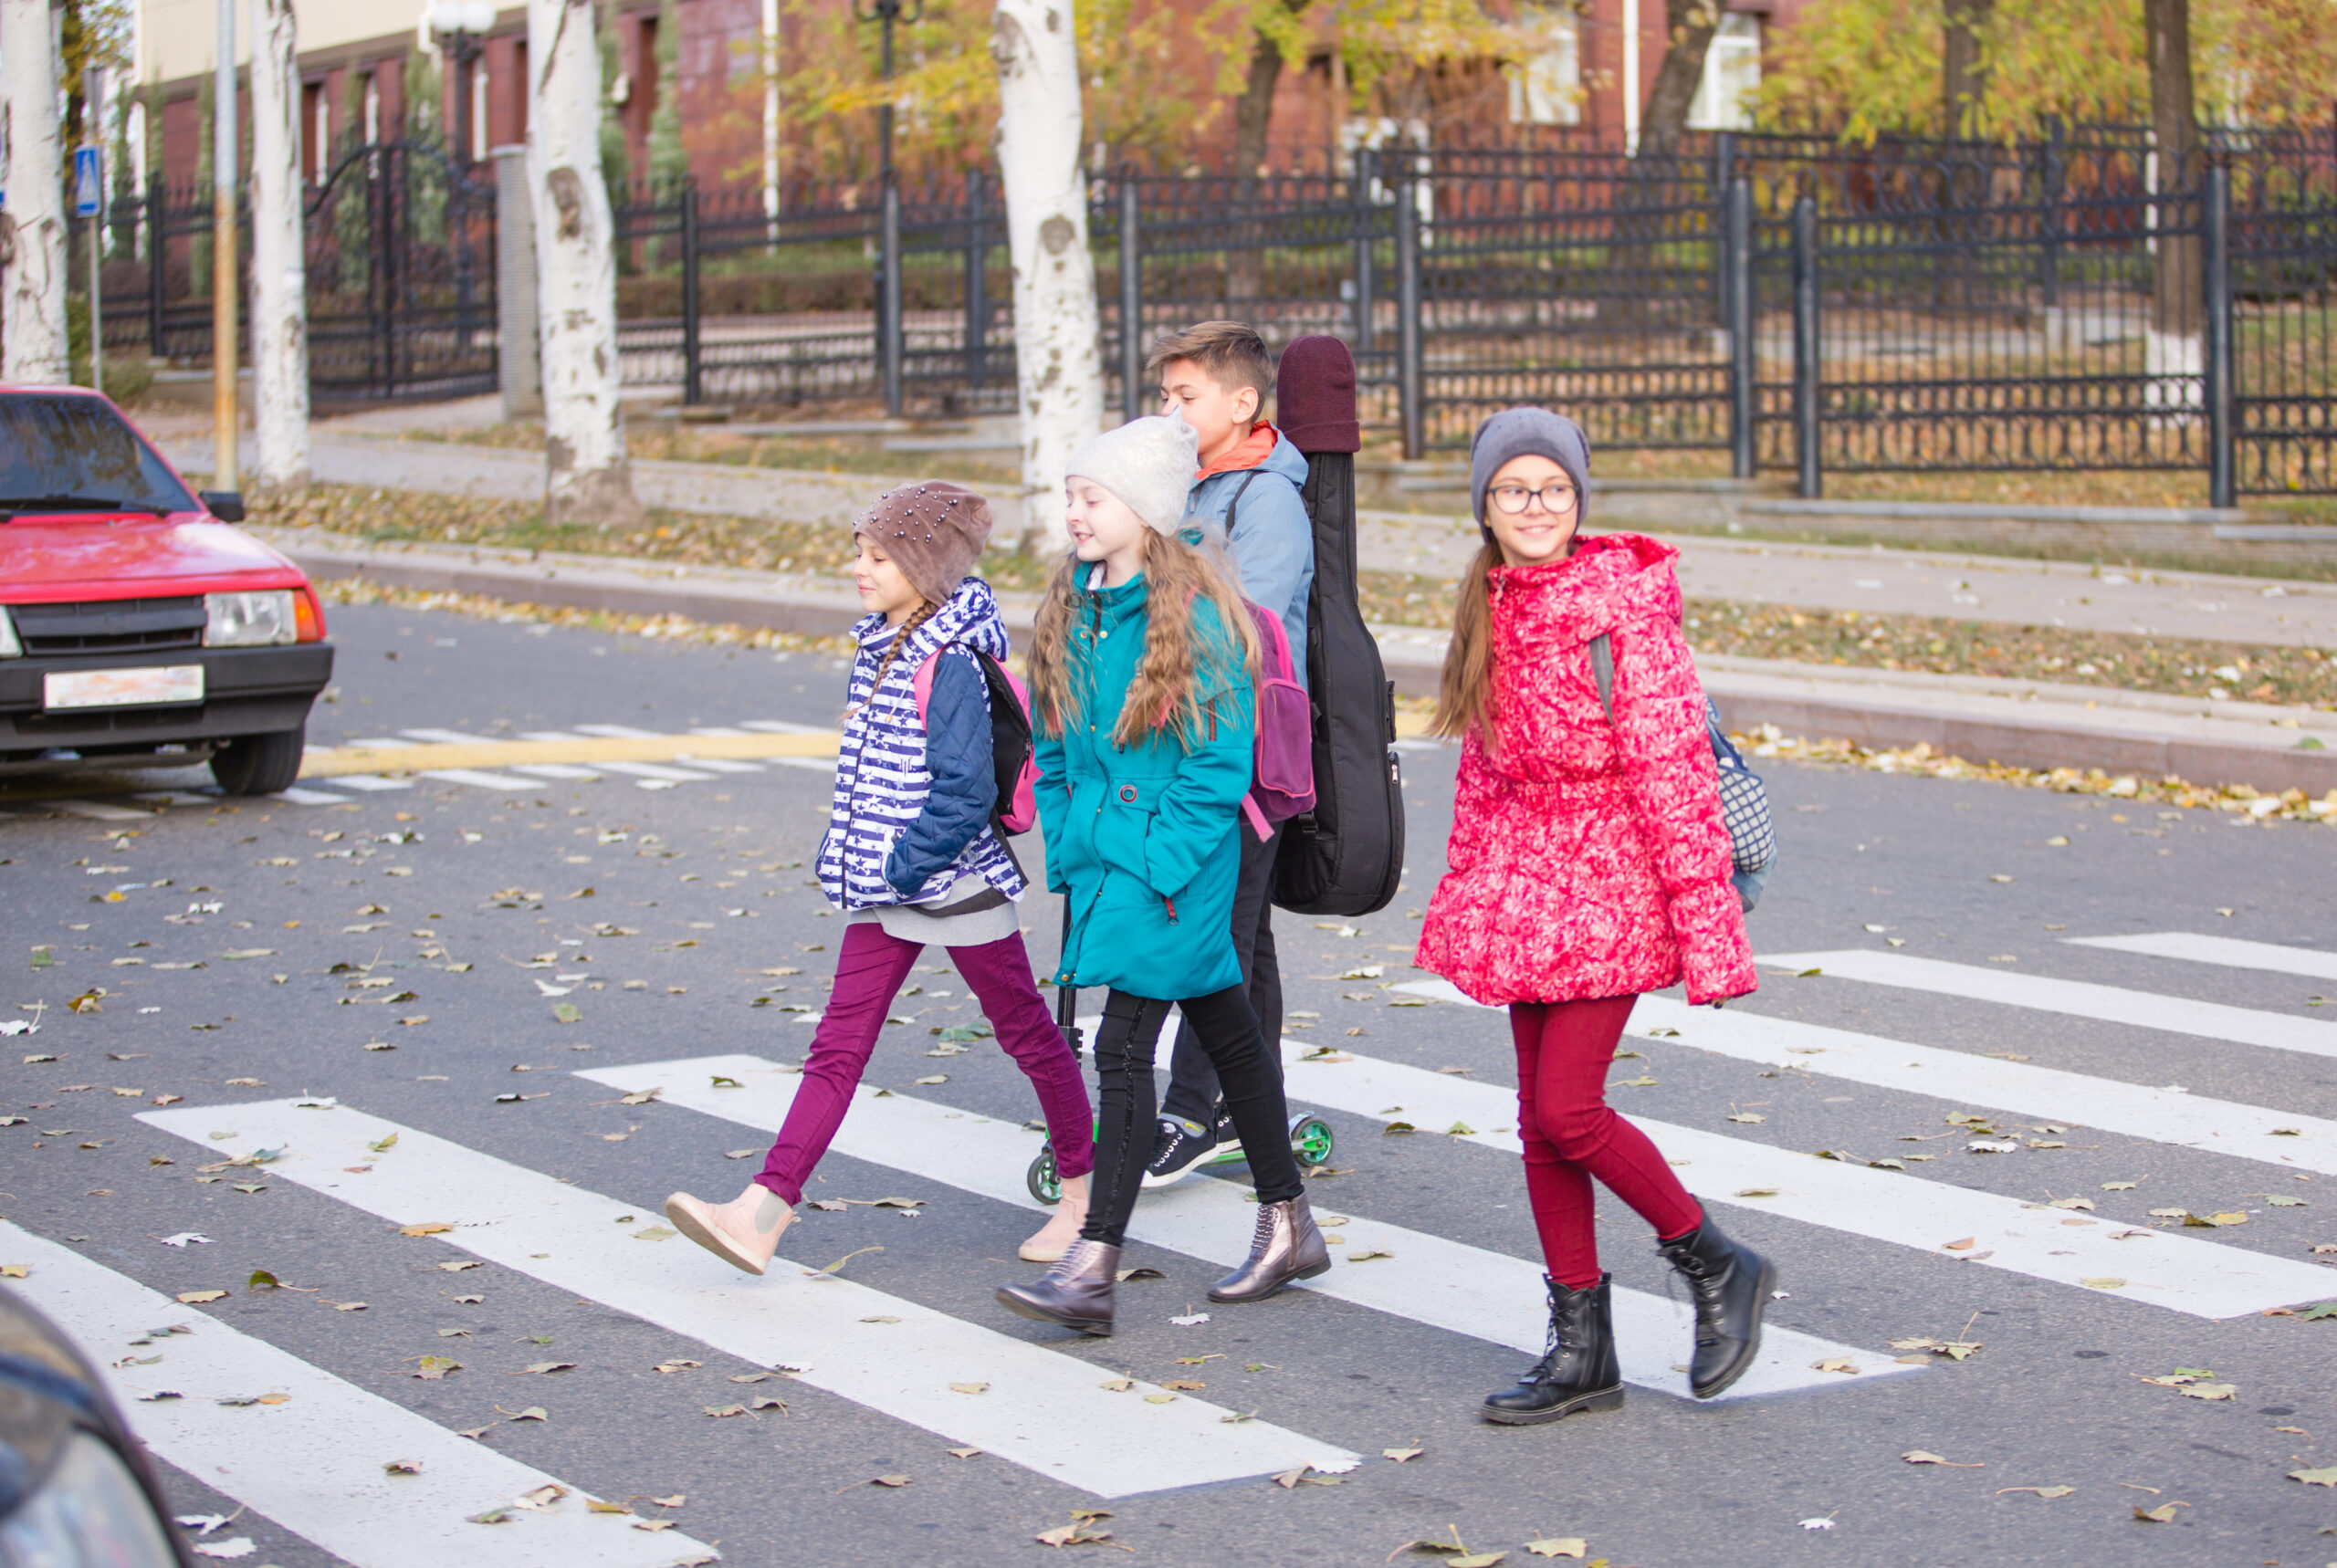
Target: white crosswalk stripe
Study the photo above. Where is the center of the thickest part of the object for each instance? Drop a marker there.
(721, 764)
(568, 770)
(2161, 1115)
(96, 810)
(2168, 1270)
(1045, 1411)
(2076, 998)
(313, 1462)
(618, 731)
(365, 783)
(1444, 1284)
(300, 797)
(477, 779)
(2229, 951)
(445, 736)
(657, 770)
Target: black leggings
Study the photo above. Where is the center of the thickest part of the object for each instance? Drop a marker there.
(1227, 1031)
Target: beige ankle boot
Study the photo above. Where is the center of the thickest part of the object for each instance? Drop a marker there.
(1062, 1228)
(743, 1232)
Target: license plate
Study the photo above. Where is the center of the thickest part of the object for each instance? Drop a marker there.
(122, 688)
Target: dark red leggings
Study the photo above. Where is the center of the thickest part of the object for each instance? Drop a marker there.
(1565, 1051)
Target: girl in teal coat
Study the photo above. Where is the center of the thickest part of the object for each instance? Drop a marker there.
(1141, 687)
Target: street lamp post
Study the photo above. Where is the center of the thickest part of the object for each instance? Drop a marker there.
(889, 311)
(462, 27)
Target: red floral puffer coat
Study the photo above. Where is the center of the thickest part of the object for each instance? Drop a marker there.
(1589, 859)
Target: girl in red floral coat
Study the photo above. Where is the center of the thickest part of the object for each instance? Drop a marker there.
(1589, 863)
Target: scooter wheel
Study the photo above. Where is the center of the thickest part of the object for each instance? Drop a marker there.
(1040, 1179)
(1312, 1140)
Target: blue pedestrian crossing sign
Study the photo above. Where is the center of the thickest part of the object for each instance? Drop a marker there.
(89, 182)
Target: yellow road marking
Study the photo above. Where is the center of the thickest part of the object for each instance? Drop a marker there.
(330, 763)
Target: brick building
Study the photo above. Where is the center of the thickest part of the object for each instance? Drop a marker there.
(1589, 68)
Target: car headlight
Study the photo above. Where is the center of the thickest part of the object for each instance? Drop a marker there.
(248, 620)
(89, 1512)
(9, 647)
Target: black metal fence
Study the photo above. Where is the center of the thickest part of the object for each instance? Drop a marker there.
(1778, 302)
(399, 263)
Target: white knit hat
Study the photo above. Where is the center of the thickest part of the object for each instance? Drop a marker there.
(1148, 463)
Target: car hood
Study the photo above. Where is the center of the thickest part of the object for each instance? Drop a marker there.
(131, 556)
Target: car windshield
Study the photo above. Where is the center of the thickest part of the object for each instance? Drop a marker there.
(67, 454)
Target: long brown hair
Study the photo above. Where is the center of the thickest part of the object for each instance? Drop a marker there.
(1464, 697)
(1164, 693)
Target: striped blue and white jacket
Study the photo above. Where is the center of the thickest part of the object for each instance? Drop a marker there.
(884, 783)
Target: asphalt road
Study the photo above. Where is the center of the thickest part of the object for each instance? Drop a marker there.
(233, 957)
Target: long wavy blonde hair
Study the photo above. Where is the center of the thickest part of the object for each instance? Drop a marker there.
(1165, 694)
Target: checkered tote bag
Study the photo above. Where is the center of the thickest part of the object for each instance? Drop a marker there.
(1744, 799)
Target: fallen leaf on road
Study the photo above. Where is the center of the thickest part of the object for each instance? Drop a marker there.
(969, 1389)
(1558, 1546)
(190, 1298)
(548, 1366)
(1918, 1456)
(1400, 1455)
(2322, 1478)
(239, 1546)
(430, 1368)
(2162, 1514)
(428, 1228)
(2040, 1491)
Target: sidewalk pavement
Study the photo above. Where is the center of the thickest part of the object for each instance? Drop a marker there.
(2025, 723)
(1872, 579)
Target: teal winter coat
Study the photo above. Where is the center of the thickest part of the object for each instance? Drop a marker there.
(1143, 839)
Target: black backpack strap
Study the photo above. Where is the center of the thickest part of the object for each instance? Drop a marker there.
(1233, 506)
(1602, 670)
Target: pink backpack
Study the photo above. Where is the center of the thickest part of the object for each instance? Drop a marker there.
(1283, 772)
(1009, 739)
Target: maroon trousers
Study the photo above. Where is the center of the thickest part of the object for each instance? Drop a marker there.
(870, 967)
(1565, 1051)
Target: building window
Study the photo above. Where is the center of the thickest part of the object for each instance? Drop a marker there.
(1545, 87)
(1732, 76)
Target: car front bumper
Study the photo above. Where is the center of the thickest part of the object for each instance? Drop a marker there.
(247, 691)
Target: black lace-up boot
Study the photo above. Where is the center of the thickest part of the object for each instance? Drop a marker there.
(1731, 1283)
(1578, 1373)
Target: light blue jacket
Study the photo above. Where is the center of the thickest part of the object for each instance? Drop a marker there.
(1273, 538)
(1141, 839)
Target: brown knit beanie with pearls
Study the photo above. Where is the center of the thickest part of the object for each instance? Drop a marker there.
(933, 531)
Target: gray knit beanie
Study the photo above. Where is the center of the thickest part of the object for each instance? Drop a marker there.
(1528, 433)
(1147, 463)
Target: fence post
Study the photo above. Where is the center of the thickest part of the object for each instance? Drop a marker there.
(1806, 367)
(2216, 220)
(1367, 226)
(888, 301)
(157, 256)
(1132, 399)
(1744, 331)
(2056, 174)
(1407, 308)
(977, 301)
(693, 366)
(1723, 172)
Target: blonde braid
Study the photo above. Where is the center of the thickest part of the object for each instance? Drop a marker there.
(925, 612)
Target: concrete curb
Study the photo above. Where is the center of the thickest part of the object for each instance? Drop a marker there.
(2022, 724)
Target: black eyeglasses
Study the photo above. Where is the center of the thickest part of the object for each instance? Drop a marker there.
(1558, 497)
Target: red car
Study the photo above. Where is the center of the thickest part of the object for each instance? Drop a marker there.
(138, 627)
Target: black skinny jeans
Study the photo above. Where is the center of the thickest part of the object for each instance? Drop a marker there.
(1228, 1031)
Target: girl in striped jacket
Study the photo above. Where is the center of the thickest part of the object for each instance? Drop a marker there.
(913, 856)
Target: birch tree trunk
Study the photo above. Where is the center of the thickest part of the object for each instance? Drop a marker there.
(279, 281)
(32, 225)
(1060, 384)
(586, 476)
